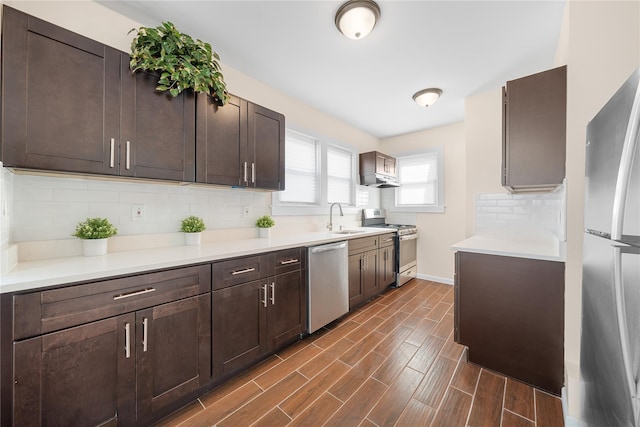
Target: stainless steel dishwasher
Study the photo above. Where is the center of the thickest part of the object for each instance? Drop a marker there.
(328, 284)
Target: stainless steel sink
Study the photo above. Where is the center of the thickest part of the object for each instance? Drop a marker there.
(348, 232)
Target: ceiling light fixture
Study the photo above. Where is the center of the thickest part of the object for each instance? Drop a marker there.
(356, 18)
(427, 97)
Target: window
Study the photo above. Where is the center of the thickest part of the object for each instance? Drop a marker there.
(317, 172)
(421, 176)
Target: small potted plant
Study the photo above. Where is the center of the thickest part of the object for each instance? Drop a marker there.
(95, 233)
(192, 227)
(264, 224)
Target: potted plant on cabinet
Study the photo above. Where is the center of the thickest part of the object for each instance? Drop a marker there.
(95, 233)
(192, 227)
(180, 61)
(264, 224)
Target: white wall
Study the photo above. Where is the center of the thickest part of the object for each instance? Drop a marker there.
(601, 47)
(438, 231)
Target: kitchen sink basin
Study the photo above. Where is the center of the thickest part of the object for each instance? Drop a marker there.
(348, 232)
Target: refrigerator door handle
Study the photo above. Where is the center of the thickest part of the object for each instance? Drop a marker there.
(624, 173)
(623, 329)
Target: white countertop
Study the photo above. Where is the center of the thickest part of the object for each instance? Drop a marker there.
(35, 274)
(544, 247)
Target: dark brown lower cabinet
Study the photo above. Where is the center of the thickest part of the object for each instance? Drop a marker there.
(509, 312)
(117, 371)
(363, 283)
(386, 267)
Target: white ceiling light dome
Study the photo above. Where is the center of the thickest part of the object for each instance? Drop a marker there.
(427, 97)
(356, 18)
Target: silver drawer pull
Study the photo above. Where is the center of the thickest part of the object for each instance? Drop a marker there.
(264, 289)
(145, 330)
(246, 270)
(112, 155)
(273, 293)
(127, 340)
(128, 156)
(133, 293)
(289, 261)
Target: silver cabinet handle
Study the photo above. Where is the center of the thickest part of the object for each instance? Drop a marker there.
(273, 293)
(246, 270)
(128, 156)
(244, 173)
(145, 327)
(112, 154)
(133, 293)
(253, 173)
(289, 261)
(264, 289)
(127, 340)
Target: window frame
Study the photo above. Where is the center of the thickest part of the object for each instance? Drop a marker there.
(439, 205)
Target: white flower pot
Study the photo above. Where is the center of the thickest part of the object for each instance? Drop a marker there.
(264, 232)
(192, 239)
(94, 247)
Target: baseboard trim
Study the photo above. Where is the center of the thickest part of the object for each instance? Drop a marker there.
(568, 420)
(435, 279)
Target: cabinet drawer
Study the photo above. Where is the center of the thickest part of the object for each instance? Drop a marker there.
(363, 244)
(240, 270)
(386, 240)
(289, 260)
(46, 311)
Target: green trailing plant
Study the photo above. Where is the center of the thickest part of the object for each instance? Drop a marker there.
(265, 222)
(192, 224)
(181, 61)
(95, 228)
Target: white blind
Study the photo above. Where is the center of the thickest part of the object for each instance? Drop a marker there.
(419, 178)
(339, 175)
(301, 169)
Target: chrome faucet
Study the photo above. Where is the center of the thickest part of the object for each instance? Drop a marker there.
(330, 224)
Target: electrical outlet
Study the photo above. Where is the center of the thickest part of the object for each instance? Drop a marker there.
(246, 211)
(137, 213)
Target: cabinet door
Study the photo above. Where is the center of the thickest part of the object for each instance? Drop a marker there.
(173, 346)
(239, 326)
(286, 297)
(60, 98)
(82, 376)
(265, 148)
(356, 290)
(386, 267)
(534, 130)
(158, 130)
(369, 274)
(221, 135)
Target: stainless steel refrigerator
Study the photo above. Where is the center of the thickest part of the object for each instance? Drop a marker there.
(610, 340)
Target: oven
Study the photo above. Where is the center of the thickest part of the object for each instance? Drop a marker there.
(406, 239)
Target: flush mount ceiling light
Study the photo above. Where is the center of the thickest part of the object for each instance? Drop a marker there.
(427, 97)
(356, 18)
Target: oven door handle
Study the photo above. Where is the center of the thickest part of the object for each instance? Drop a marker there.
(413, 236)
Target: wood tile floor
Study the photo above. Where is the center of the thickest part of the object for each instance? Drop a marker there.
(393, 362)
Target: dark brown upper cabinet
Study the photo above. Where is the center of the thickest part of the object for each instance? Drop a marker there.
(71, 104)
(534, 131)
(239, 144)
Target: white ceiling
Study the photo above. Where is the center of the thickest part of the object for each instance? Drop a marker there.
(462, 47)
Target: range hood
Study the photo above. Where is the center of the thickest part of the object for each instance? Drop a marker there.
(379, 181)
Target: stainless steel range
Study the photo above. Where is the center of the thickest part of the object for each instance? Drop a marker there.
(405, 243)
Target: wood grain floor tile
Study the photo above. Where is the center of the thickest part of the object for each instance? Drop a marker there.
(324, 359)
(415, 414)
(368, 311)
(264, 402)
(509, 419)
(349, 383)
(487, 402)
(426, 354)
(312, 390)
(435, 382)
(280, 371)
(392, 323)
(360, 349)
(395, 363)
(416, 315)
(454, 409)
(219, 406)
(444, 328)
(359, 405)
(275, 417)
(438, 311)
(421, 332)
(390, 406)
(452, 349)
(548, 410)
(319, 412)
(466, 377)
(448, 296)
(182, 416)
(336, 334)
(518, 398)
(392, 309)
(364, 329)
(367, 423)
(393, 340)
